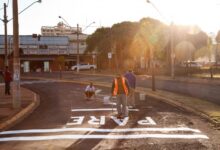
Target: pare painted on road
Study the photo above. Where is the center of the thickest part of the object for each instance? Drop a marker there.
(93, 120)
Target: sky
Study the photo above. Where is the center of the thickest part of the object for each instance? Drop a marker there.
(203, 13)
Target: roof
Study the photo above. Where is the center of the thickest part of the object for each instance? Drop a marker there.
(29, 40)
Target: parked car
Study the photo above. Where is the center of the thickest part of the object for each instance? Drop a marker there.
(192, 64)
(83, 67)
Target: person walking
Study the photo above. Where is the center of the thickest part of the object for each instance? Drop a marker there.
(7, 79)
(120, 89)
(129, 75)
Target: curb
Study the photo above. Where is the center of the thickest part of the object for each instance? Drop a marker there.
(21, 114)
(204, 81)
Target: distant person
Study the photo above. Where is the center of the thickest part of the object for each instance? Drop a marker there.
(1, 76)
(120, 89)
(129, 75)
(7, 79)
(90, 91)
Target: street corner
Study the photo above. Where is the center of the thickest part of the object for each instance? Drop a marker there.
(29, 102)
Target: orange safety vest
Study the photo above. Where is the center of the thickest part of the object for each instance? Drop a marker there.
(115, 91)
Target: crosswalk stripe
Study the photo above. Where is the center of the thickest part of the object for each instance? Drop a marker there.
(78, 136)
(30, 131)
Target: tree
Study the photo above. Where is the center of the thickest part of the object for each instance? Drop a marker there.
(99, 42)
(155, 35)
(218, 37)
(131, 40)
(184, 51)
(202, 53)
(122, 35)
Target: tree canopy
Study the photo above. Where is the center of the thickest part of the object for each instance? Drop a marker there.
(129, 41)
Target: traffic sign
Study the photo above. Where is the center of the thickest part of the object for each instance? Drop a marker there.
(109, 55)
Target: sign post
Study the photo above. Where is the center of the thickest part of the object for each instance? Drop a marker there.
(109, 60)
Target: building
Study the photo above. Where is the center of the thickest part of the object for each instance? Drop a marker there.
(40, 53)
(60, 30)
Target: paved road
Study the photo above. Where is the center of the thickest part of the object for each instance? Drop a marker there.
(208, 92)
(65, 120)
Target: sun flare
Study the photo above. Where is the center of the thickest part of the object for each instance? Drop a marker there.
(189, 12)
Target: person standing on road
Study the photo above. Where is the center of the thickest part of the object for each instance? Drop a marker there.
(129, 75)
(120, 89)
(7, 79)
(90, 90)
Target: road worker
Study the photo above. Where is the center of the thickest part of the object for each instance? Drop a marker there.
(90, 91)
(120, 89)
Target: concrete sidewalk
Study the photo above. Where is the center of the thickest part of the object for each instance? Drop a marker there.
(9, 116)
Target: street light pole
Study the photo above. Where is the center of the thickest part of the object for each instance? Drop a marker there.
(152, 68)
(16, 59)
(5, 21)
(172, 54)
(77, 40)
(172, 51)
(6, 34)
(64, 20)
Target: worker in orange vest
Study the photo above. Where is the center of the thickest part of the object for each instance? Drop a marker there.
(120, 89)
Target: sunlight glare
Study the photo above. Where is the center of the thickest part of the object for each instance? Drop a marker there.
(189, 12)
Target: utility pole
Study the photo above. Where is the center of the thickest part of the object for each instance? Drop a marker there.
(16, 59)
(172, 51)
(6, 34)
(77, 40)
(172, 54)
(152, 68)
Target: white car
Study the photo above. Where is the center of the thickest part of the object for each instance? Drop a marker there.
(192, 64)
(83, 67)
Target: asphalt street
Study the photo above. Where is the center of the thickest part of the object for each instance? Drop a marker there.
(209, 92)
(65, 120)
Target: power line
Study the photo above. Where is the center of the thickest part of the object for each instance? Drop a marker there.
(6, 5)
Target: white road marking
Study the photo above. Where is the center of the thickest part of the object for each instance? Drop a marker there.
(78, 136)
(39, 81)
(98, 91)
(147, 121)
(31, 131)
(120, 122)
(100, 109)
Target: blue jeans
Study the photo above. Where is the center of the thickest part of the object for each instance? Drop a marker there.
(122, 105)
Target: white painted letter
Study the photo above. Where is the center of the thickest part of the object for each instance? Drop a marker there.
(96, 121)
(148, 121)
(76, 120)
(119, 122)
